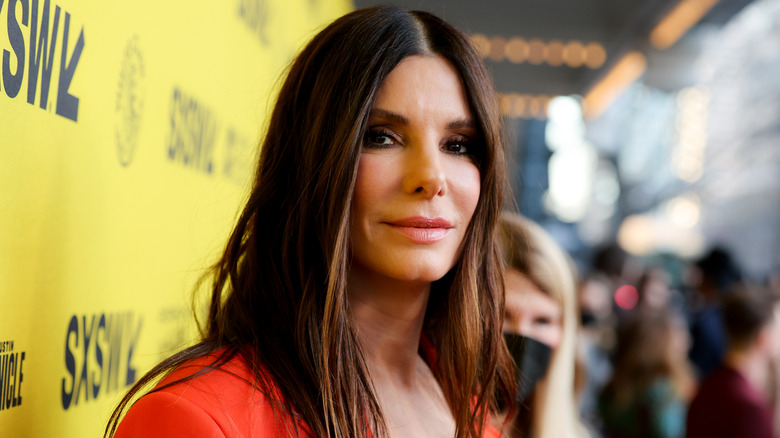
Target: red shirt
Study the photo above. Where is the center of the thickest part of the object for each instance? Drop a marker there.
(727, 406)
(219, 404)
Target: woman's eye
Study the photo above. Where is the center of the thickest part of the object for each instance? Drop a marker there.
(378, 139)
(542, 321)
(459, 147)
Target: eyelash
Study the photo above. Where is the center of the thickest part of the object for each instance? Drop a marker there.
(464, 142)
(370, 136)
(377, 132)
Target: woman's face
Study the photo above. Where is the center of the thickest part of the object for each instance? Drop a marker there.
(417, 184)
(529, 311)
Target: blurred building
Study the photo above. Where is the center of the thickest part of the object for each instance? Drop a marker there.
(696, 146)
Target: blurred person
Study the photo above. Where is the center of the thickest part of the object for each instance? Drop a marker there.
(615, 263)
(594, 297)
(596, 342)
(540, 325)
(773, 284)
(360, 291)
(654, 290)
(717, 273)
(734, 401)
(651, 294)
(652, 381)
(654, 398)
(654, 293)
(612, 268)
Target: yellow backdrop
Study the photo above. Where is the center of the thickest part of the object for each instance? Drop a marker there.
(128, 134)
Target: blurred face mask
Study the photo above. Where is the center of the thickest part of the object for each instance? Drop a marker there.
(588, 318)
(532, 359)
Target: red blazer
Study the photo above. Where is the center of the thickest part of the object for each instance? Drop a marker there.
(219, 404)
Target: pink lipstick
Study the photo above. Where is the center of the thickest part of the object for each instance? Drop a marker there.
(421, 229)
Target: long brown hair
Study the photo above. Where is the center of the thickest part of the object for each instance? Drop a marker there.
(646, 352)
(278, 294)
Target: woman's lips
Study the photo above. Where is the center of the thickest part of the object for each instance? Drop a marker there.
(422, 229)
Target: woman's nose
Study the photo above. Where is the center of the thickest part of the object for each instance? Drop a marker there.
(425, 174)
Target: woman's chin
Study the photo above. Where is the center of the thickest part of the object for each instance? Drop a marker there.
(410, 271)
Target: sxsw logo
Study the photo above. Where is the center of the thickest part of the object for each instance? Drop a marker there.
(35, 34)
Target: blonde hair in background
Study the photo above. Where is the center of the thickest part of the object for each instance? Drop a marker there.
(529, 249)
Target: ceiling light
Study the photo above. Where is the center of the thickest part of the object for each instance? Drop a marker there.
(678, 21)
(516, 50)
(595, 55)
(627, 70)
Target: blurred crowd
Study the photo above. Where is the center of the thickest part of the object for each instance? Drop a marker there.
(665, 347)
(678, 348)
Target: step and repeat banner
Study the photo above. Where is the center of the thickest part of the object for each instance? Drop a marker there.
(128, 139)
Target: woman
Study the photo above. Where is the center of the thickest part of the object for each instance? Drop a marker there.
(652, 382)
(541, 306)
(360, 291)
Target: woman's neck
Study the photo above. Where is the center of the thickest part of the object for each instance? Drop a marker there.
(388, 315)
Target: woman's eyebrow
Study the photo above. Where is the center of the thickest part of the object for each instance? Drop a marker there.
(390, 116)
(378, 113)
(461, 124)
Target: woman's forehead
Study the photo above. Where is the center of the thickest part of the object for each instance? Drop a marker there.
(523, 294)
